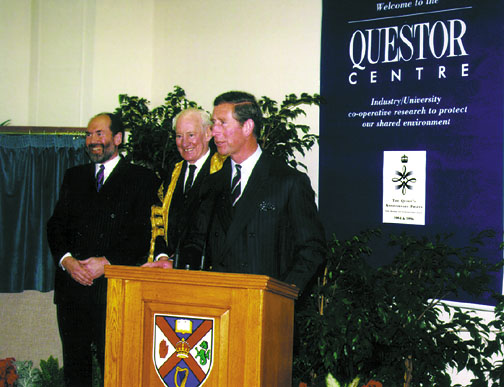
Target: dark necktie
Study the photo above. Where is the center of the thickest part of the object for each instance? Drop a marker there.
(235, 185)
(190, 178)
(99, 178)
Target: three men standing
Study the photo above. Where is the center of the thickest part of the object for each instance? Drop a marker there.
(249, 214)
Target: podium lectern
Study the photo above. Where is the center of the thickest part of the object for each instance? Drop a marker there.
(190, 328)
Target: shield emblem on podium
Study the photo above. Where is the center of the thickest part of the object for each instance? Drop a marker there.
(183, 349)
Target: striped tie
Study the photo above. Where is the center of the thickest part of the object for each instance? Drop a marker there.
(235, 185)
(99, 178)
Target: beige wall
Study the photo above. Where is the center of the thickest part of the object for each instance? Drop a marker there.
(29, 328)
(63, 61)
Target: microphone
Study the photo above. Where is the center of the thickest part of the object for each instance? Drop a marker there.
(188, 248)
(194, 243)
(176, 261)
(177, 256)
(202, 263)
(208, 226)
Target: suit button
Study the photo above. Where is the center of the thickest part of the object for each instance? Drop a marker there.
(252, 234)
(101, 235)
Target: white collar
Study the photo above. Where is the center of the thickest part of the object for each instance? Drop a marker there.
(250, 162)
(199, 163)
(246, 167)
(109, 166)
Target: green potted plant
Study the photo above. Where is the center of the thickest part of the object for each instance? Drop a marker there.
(363, 323)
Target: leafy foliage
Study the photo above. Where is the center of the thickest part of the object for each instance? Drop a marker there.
(151, 141)
(48, 375)
(28, 375)
(280, 133)
(497, 373)
(51, 375)
(385, 323)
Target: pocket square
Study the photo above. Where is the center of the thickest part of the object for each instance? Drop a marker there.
(266, 206)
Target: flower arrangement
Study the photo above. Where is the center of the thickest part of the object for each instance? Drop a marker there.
(8, 374)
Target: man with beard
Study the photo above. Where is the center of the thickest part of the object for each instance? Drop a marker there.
(102, 217)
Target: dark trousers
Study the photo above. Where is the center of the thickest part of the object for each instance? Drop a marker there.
(80, 326)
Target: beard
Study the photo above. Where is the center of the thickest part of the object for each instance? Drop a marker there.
(97, 156)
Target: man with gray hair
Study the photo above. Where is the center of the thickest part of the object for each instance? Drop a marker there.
(180, 194)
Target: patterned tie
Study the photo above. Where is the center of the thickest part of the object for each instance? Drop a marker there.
(99, 178)
(235, 185)
(190, 178)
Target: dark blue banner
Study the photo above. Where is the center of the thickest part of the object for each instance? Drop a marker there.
(420, 76)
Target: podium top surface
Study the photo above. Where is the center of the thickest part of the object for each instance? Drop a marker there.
(205, 278)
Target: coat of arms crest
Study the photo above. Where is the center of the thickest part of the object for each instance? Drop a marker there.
(183, 349)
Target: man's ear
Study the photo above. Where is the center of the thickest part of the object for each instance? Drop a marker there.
(208, 133)
(248, 127)
(118, 137)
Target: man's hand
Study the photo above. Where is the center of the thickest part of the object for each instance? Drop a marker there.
(95, 266)
(79, 272)
(163, 262)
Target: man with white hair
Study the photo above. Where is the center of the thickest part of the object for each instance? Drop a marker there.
(180, 194)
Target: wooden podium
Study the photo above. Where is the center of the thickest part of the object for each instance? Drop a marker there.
(196, 328)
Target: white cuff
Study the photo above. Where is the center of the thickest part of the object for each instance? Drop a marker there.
(162, 255)
(62, 258)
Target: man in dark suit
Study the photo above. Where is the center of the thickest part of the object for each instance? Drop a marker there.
(180, 199)
(101, 218)
(259, 214)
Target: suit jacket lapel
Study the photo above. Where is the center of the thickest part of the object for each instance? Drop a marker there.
(205, 170)
(249, 201)
(222, 210)
(90, 176)
(194, 191)
(116, 174)
(179, 187)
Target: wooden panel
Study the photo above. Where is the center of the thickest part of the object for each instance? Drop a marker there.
(252, 324)
(277, 336)
(113, 348)
(203, 278)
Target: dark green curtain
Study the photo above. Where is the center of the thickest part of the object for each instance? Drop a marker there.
(32, 169)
